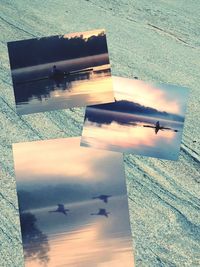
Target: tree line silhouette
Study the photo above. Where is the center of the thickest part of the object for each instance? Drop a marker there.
(128, 107)
(56, 48)
(35, 242)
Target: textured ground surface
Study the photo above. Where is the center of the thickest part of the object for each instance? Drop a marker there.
(154, 40)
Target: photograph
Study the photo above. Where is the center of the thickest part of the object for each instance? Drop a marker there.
(58, 72)
(146, 119)
(73, 205)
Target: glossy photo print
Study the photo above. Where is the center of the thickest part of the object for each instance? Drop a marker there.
(145, 119)
(63, 71)
(73, 205)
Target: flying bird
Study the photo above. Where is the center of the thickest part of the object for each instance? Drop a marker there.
(61, 209)
(104, 198)
(102, 212)
(157, 127)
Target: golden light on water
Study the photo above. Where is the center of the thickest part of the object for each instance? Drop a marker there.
(123, 136)
(86, 247)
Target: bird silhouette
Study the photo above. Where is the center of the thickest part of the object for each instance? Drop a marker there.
(102, 212)
(61, 209)
(157, 127)
(104, 198)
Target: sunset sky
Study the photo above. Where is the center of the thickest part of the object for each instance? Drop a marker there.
(86, 34)
(64, 160)
(162, 97)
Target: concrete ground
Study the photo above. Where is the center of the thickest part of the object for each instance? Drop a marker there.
(153, 40)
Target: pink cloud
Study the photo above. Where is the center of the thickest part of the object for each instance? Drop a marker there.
(145, 94)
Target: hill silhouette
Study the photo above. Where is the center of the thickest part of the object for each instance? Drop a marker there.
(125, 106)
(55, 48)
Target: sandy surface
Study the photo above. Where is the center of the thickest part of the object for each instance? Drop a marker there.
(153, 40)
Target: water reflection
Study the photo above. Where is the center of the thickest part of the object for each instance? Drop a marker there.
(40, 89)
(82, 240)
(92, 86)
(35, 242)
(85, 247)
(133, 134)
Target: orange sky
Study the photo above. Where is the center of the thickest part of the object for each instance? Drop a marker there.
(86, 34)
(61, 158)
(145, 94)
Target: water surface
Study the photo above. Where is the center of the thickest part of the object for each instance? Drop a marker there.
(81, 239)
(36, 92)
(128, 133)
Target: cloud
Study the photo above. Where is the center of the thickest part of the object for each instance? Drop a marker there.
(63, 158)
(146, 94)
